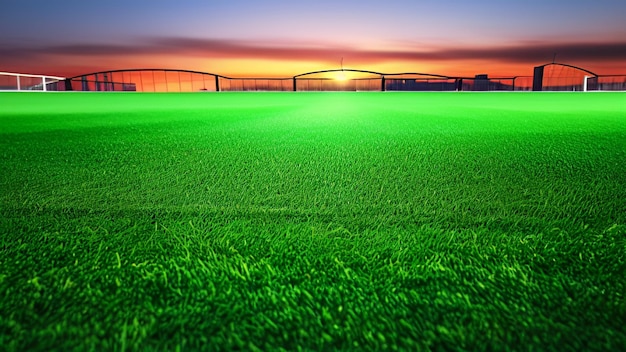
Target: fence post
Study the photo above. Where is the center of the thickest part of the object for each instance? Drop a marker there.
(459, 84)
(538, 79)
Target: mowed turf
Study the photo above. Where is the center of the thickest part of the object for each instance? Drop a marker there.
(316, 221)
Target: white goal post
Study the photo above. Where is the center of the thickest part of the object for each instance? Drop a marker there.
(11, 81)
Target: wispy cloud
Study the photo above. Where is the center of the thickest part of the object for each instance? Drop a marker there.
(515, 53)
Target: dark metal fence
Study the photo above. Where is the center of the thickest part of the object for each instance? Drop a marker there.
(553, 78)
(144, 80)
(255, 84)
(331, 84)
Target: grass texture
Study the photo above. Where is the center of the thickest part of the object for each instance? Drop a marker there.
(313, 221)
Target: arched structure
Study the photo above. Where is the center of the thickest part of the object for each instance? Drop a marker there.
(345, 79)
(556, 76)
(551, 76)
(338, 70)
(365, 80)
(146, 80)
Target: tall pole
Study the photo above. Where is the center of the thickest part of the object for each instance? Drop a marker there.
(538, 79)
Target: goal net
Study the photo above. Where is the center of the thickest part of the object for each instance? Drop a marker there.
(10, 81)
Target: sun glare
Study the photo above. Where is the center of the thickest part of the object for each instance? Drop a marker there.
(341, 76)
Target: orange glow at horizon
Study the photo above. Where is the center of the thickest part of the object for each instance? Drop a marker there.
(251, 67)
(263, 68)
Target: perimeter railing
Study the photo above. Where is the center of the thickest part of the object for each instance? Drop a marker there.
(166, 80)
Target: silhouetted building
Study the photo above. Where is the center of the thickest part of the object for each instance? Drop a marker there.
(481, 82)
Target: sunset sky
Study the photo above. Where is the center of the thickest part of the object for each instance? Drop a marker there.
(272, 38)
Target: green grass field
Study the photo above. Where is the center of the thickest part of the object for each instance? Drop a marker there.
(314, 221)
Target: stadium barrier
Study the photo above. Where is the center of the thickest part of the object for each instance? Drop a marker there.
(166, 80)
(227, 84)
(144, 80)
(549, 77)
